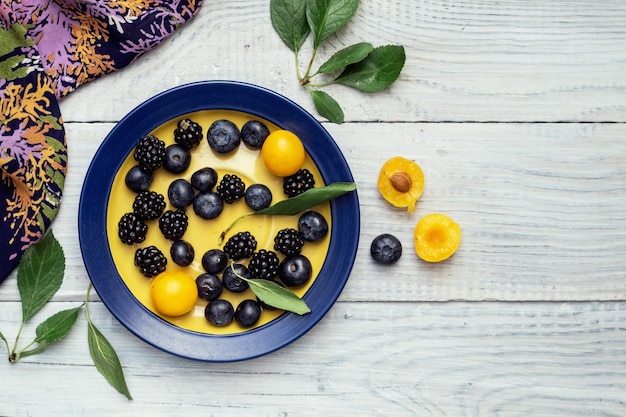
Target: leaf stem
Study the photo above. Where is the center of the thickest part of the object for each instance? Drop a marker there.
(13, 354)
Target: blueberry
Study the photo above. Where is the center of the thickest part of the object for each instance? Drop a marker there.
(182, 253)
(208, 205)
(223, 136)
(209, 286)
(253, 134)
(258, 197)
(312, 226)
(204, 179)
(248, 313)
(214, 261)
(180, 193)
(138, 180)
(295, 270)
(231, 280)
(177, 159)
(386, 249)
(219, 312)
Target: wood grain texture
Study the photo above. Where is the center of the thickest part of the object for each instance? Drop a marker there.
(526, 61)
(368, 359)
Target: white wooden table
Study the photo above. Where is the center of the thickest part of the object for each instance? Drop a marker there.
(516, 112)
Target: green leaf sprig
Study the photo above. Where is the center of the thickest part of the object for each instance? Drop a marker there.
(360, 66)
(274, 295)
(39, 276)
(294, 205)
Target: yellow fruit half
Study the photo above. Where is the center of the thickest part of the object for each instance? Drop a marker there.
(437, 237)
(173, 293)
(401, 182)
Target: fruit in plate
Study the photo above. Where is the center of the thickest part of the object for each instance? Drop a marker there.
(214, 261)
(264, 264)
(219, 312)
(288, 242)
(208, 205)
(188, 133)
(258, 197)
(231, 188)
(295, 270)
(131, 229)
(148, 205)
(177, 159)
(223, 136)
(204, 179)
(232, 278)
(149, 153)
(173, 293)
(209, 286)
(283, 153)
(437, 237)
(386, 249)
(182, 253)
(180, 193)
(240, 245)
(138, 180)
(254, 133)
(298, 183)
(173, 224)
(248, 312)
(150, 261)
(401, 182)
(312, 226)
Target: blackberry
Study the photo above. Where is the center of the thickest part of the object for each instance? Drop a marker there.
(149, 205)
(231, 188)
(288, 242)
(264, 265)
(150, 261)
(131, 229)
(150, 153)
(173, 224)
(239, 246)
(188, 134)
(298, 183)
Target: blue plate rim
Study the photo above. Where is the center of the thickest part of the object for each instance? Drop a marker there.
(172, 103)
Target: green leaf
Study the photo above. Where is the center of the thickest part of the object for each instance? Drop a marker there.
(6, 343)
(289, 20)
(276, 296)
(57, 326)
(306, 200)
(349, 55)
(40, 274)
(327, 107)
(39, 349)
(376, 72)
(325, 17)
(106, 360)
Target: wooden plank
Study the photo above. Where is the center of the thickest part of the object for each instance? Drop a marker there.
(541, 207)
(505, 61)
(370, 359)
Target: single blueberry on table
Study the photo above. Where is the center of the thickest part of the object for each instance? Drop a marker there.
(223, 136)
(386, 249)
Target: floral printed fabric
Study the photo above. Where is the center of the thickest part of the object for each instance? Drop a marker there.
(47, 49)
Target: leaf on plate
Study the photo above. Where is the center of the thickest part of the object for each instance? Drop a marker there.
(294, 205)
(327, 106)
(325, 17)
(57, 326)
(376, 72)
(40, 274)
(106, 360)
(289, 20)
(349, 55)
(276, 296)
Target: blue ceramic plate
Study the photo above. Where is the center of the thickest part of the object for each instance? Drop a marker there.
(215, 95)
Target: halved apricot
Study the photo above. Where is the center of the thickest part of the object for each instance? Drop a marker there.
(401, 182)
(437, 237)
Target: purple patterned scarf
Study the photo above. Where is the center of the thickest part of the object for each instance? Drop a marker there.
(48, 48)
